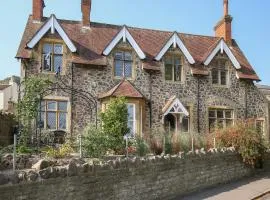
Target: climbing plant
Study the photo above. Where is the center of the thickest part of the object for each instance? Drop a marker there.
(33, 88)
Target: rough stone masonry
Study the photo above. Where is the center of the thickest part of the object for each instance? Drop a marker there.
(154, 177)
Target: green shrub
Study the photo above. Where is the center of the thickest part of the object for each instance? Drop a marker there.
(245, 138)
(23, 149)
(185, 142)
(141, 147)
(114, 123)
(95, 142)
(63, 151)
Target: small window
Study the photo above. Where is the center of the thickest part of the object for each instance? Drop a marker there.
(123, 64)
(52, 57)
(173, 69)
(220, 118)
(131, 119)
(53, 115)
(220, 74)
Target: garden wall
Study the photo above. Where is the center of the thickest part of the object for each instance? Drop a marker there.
(6, 127)
(156, 177)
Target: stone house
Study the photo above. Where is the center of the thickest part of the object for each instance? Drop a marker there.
(181, 82)
(9, 93)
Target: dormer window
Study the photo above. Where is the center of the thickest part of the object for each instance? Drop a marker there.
(52, 57)
(123, 64)
(220, 75)
(173, 69)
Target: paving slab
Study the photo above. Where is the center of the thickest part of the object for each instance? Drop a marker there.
(245, 189)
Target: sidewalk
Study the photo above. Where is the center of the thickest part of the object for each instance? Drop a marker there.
(248, 188)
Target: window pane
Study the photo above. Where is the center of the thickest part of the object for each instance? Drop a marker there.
(178, 73)
(131, 128)
(47, 62)
(212, 113)
(118, 69)
(177, 61)
(228, 114)
(62, 106)
(47, 48)
(185, 125)
(51, 105)
(223, 78)
(58, 49)
(131, 111)
(118, 56)
(128, 69)
(58, 61)
(168, 60)
(168, 72)
(220, 123)
(62, 121)
(215, 76)
(220, 114)
(128, 56)
(51, 120)
(229, 122)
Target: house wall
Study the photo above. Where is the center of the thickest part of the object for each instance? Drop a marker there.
(1, 100)
(241, 96)
(154, 177)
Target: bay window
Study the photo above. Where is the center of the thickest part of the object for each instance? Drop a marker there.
(131, 119)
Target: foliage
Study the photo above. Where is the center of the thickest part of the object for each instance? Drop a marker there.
(141, 147)
(95, 142)
(114, 123)
(245, 138)
(168, 146)
(61, 152)
(22, 149)
(156, 140)
(28, 106)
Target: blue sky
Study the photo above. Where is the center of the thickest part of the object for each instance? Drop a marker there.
(251, 25)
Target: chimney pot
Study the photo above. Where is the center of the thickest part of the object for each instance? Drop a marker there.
(86, 9)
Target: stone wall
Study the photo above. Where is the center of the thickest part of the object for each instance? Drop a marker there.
(156, 177)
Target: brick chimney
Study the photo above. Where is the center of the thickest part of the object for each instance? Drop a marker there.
(86, 9)
(224, 26)
(38, 6)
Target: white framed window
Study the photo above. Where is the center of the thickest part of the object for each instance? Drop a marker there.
(123, 64)
(173, 68)
(53, 115)
(131, 118)
(52, 57)
(220, 74)
(220, 118)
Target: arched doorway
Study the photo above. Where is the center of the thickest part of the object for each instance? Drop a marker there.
(170, 123)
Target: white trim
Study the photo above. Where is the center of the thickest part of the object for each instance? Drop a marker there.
(175, 41)
(223, 47)
(52, 24)
(125, 35)
(180, 105)
(237, 76)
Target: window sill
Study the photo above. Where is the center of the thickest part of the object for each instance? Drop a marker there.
(121, 77)
(220, 86)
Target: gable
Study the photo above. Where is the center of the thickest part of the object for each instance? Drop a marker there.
(125, 36)
(51, 25)
(222, 47)
(174, 106)
(175, 41)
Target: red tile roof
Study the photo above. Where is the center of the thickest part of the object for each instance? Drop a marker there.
(124, 88)
(91, 44)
